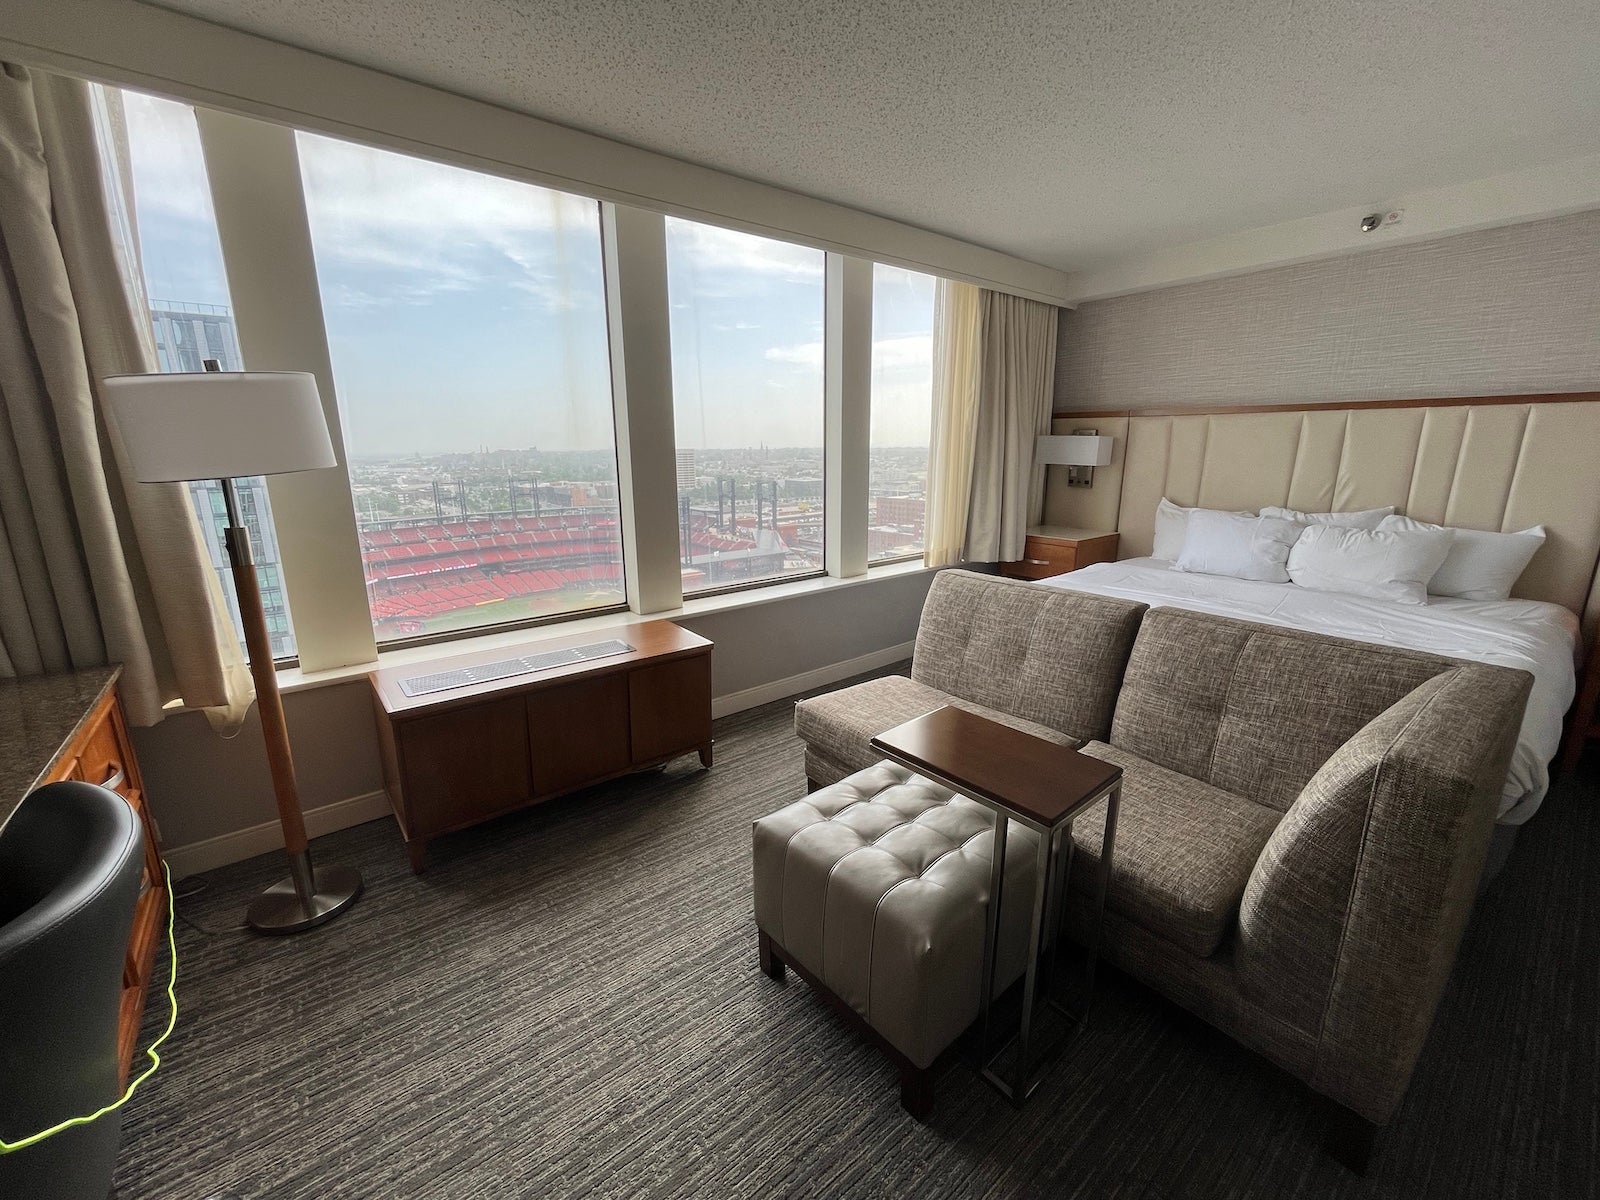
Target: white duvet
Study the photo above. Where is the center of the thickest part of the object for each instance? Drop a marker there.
(1540, 638)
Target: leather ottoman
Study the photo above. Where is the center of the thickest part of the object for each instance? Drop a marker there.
(874, 889)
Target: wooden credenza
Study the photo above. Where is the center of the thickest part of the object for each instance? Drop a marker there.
(71, 726)
(455, 758)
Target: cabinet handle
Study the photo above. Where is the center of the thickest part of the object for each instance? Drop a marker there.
(115, 778)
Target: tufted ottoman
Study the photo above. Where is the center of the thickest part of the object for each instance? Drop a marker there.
(874, 889)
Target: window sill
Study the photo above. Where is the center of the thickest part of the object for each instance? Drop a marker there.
(294, 679)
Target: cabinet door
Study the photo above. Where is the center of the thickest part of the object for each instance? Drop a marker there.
(670, 707)
(464, 765)
(578, 733)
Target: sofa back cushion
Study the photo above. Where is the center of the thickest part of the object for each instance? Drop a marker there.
(1350, 922)
(1253, 709)
(1292, 914)
(1041, 653)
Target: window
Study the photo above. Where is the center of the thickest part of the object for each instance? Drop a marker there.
(747, 381)
(467, 324)
(902, 411)
(167, 227)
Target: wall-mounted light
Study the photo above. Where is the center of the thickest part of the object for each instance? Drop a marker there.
(1080, 452)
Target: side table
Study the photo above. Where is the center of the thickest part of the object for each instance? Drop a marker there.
(1044, 786)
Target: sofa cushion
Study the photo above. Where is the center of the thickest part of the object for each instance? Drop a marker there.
(842, 724)
(878, 886)
(1044, 654)
(1183, 854)
(1291, 918)
(1253, 709)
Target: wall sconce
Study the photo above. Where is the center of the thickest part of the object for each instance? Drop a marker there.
(1080, 452)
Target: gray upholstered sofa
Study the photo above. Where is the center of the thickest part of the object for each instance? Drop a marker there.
(1303, 823)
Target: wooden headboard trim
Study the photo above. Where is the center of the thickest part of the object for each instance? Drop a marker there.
(1203, 410)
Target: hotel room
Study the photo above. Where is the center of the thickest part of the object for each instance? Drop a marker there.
(708, 600)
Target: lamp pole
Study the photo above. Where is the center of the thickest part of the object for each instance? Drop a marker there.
(308, 897)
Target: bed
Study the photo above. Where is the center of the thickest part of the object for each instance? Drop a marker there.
(1536, 636)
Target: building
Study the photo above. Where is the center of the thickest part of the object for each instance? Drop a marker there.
(686, 471)
(186, 335)
(900, 510)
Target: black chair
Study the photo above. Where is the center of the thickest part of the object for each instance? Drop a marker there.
(70, 864)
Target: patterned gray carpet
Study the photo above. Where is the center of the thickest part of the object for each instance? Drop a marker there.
(568, 1004)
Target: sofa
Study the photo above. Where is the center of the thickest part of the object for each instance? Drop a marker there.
(1303, 823)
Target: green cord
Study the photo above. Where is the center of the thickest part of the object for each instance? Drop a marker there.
(155, 1059)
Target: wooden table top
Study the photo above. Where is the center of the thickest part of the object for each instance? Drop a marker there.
(1025, 775)
(649, 639)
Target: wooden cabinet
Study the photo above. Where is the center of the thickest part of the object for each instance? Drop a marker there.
(1057, 549)
(98, 750)
(455, 758)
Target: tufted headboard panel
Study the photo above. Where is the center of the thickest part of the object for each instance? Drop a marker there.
(1501, 462)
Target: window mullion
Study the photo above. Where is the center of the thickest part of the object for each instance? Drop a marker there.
(847, 359)
(634, 244)
(254, 174)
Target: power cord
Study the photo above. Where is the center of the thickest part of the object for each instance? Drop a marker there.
(155, 1059)
(198, 886)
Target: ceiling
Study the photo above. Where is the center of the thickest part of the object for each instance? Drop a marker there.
(1070, 133)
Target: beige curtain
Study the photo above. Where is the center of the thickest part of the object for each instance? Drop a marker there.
(1017, 346)
(956, 368)
(91, 570)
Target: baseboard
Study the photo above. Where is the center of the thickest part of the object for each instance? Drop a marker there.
(793, 685)
(260, 839)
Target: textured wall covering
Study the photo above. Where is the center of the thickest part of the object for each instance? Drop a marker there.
(1505, 310)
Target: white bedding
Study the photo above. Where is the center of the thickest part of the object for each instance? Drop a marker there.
(1537, 637)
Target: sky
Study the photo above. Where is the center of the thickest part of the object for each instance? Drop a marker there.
(464, 310)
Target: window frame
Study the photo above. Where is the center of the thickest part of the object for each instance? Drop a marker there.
(633, 246)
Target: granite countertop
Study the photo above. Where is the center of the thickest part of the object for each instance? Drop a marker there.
(39, 717)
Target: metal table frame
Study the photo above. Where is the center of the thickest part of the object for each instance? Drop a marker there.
(1053, 870)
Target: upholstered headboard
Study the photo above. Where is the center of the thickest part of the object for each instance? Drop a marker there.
(1497, 462)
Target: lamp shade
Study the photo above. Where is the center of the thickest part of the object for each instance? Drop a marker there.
(1075, 450)
(218, 424)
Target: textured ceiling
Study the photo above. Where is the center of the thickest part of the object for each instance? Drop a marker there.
(1068, 133)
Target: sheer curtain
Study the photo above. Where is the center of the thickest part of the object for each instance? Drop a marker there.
(956, 376)
(994, 361)
(1018, 348)
(91, 570)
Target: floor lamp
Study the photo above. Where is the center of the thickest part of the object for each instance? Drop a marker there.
(229, 425)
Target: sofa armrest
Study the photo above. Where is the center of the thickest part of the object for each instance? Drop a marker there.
(1350, 924)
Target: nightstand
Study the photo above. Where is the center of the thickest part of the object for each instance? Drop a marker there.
(1057, 549)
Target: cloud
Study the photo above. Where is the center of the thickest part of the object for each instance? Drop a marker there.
(448, 229)
(717, 252)
(913, 352)
(804, 354)
(901, 356)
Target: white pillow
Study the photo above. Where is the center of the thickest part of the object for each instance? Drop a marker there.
(1381, 563)
(1481, 565)
(1367, 518)
(1171, 521)
(1236, 544)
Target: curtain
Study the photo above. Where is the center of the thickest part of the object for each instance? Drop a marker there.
(1017, 351)
(92, 570)
(956, 374)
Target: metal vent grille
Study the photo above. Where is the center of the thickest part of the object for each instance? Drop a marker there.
(508, 668)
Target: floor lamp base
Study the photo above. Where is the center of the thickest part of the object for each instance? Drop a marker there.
(281, 908)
